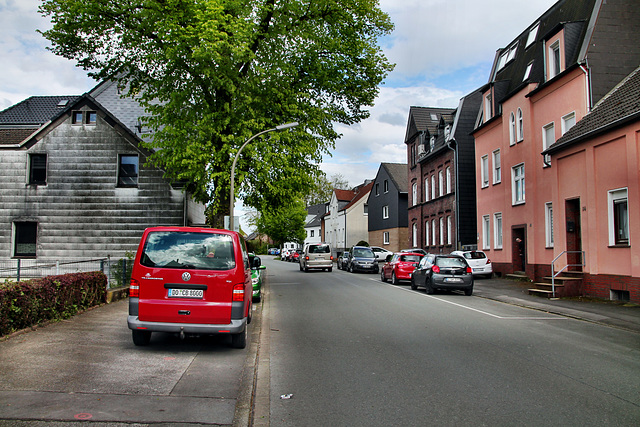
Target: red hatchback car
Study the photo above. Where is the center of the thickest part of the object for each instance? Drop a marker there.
(400, 267)
(188, 280)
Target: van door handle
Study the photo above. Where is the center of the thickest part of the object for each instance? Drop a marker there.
(184, 312)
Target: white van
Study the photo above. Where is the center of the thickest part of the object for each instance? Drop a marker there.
(316, 255)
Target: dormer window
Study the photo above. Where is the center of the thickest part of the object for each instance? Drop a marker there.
(488, 104)
(554, 59)
(432, 142)
(527, 72)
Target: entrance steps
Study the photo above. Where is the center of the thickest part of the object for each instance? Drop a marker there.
(568, 284)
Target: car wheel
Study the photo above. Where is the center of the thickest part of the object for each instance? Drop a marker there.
(469, 291)
(239, 340)
(351, 268)
(382, 276)
(394, 279)
(257, 298)
(141, 338)
(429, 287)
(330, 269)
(413, 284)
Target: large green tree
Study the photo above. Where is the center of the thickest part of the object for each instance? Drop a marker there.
(211, 73)
(284, 223)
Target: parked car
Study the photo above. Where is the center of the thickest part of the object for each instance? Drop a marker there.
(273, 251)
(188, 280)
(443, 272)
(478, 261)
(415, 251)
(343, 260)
(399, 267)
(256, 276)
(381, 253)
(362, 258)
(284, 254)
(295, 256)
(318, 256)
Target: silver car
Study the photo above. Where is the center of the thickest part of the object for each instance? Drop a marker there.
(443, 272)
(478, 261)
(316, 256)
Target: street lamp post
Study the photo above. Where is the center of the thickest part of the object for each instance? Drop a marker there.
(235, 160)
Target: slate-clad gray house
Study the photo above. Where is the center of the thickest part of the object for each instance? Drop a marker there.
(74, 185)
(388, 207)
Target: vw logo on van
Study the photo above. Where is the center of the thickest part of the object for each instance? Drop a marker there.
(186, 276)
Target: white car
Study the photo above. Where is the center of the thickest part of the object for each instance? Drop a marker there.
(381, 253)
(478, 261)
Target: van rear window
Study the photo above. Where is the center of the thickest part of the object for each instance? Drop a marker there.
(188, 250)
(319, 249)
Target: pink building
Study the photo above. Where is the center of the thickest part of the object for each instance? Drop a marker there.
(541, 85)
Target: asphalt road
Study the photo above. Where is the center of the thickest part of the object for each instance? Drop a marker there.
(348, 350)
(87, 368)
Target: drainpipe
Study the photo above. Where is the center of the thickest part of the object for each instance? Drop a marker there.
(587, 83)
(455, 157)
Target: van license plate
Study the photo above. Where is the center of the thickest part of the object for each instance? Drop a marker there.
(186, 293)
(452, 280)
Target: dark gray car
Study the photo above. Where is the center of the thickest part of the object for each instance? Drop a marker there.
(362, 258)
(443, 272)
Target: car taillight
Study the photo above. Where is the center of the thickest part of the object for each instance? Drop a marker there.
(469, 270)
(134, 288)
(307, 257)
(238, 292)
(331, 257)
(488, 261)
(435, 269)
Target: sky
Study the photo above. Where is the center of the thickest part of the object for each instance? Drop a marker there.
(443, 50)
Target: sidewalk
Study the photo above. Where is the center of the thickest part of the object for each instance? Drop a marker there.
(611, 313)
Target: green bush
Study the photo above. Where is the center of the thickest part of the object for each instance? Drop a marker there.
(28, 303)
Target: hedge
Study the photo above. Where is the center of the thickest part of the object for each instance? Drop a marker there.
(29, 303)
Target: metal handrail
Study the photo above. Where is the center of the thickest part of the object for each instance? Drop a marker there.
(553, 275)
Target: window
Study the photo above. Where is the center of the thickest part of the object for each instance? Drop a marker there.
(312, 232)
(527, 72)
(548, 220)
(25, 238)
(488, 104)
(414, 235)
(618, 217)
(413, 154)
(385, 212)
(76, 118)
(426, 233)
(448, 181)
(497, 230)
(497, 168)
(128, 170)
(433, 232)
(366, 209)
(38, 169)
(554, 59)
(377, 189)
(433, 186)
(548, 138)
(532, 35)
(512, 52)
(432, 143)
(426, 189)
(385, 238)
(441, 183)
(519, 126)
(441, 231)
(485, 232)
(449, 229)
(568, 122)
(91, 117)
(414, 194)
(484, 170)
(517, 184)
(512, 129)
(386, 186)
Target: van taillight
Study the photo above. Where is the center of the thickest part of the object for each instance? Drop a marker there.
(307, 258)
(331, 257)
(134, 288)
(238, 292)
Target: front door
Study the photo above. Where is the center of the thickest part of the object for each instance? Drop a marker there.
(519, 248)
(574, 235)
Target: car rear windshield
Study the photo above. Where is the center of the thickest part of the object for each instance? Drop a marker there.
(410, 258)
(474, 255)
(450, 262)
(363, 253)
(190, 250)
(319, 249)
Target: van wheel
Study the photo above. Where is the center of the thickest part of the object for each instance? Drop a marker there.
(239, 340)
(141, 338)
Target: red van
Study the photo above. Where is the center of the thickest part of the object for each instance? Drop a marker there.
(188, 280)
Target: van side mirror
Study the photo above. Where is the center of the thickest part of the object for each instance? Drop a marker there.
(256, 263)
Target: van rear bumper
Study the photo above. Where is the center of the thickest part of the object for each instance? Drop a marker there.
(236, 326)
